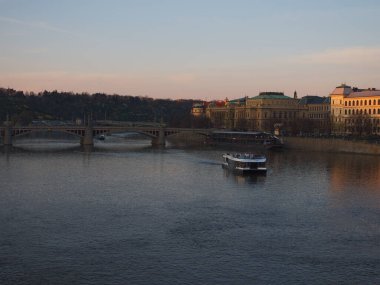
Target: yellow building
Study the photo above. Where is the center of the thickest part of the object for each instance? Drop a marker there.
(347, 110)
(355, 111)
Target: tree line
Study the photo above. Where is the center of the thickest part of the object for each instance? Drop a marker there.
(25, 107)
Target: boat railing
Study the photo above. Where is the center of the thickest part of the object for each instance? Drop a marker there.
(246, 155)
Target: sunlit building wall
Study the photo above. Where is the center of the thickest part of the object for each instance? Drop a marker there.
(260, 113)
(355, 111)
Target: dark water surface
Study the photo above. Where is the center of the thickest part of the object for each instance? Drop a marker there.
(127, 214)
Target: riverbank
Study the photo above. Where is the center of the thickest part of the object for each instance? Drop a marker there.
(331, 145)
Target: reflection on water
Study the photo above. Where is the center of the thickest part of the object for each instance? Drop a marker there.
(247, 178)
(354, 171)
(124, 213)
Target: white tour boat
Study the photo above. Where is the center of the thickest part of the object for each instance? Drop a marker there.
(244, 163)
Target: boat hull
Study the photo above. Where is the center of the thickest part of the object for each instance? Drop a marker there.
(244, 171)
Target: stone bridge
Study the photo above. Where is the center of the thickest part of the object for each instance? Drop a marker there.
(158, 134)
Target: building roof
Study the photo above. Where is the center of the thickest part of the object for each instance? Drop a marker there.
(342, 90)
(217, 103)
(271, 95)
(355, 92)
(312, 99)
(327, 100)
(237, 101)
(364, 93)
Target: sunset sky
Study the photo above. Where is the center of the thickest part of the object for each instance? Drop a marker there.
(196, 49)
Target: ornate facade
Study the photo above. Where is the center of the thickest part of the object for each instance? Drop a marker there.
(346, 111)
(261, 112)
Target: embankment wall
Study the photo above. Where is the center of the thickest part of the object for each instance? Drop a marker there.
(331, 145)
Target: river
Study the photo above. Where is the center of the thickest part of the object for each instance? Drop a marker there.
(125, 213)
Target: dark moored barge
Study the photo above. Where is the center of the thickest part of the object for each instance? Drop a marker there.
(258, 139)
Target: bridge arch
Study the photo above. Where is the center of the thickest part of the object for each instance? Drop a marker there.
(20, 133)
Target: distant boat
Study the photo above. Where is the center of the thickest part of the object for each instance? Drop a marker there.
(246, 163)
(102, 137)
(258, 139)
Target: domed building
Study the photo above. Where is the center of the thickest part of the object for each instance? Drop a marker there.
(259, 113)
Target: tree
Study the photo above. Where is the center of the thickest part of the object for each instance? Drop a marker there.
(69, 106)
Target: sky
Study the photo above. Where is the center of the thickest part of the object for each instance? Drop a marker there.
(189, 49)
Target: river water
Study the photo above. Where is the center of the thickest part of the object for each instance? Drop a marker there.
(128, 214)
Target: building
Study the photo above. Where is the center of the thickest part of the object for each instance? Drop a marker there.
(355, 111)
(217, 111)
(261, 113)
(317, 118)
(274, 108)
(345, 111)
(199, 109)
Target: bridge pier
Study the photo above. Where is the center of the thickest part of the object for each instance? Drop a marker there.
(88, 138)
(7, 140)
(160, 140)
